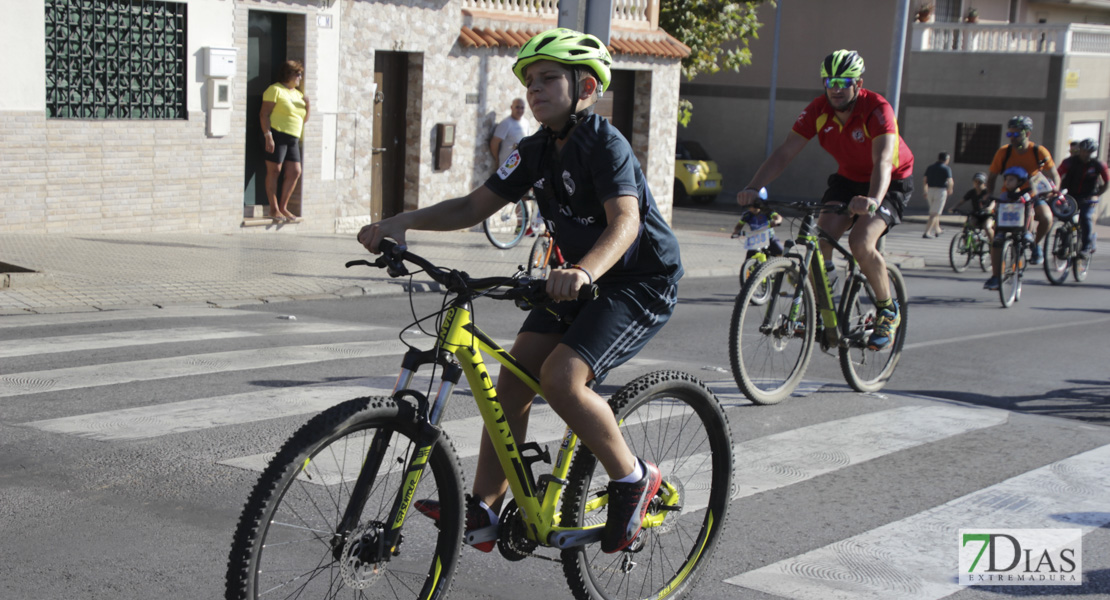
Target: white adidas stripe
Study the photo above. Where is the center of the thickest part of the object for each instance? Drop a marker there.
(17, 384)
(916, 558)
(173, 335)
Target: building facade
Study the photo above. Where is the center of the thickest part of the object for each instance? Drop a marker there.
(142, 115)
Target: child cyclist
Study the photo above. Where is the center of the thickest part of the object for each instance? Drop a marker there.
(1010, 218)
(756, 220)
(981, 205)
(596, 203)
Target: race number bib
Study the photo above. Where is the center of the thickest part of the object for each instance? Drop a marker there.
(758, 239)
(1040, 184)
(1011, 214)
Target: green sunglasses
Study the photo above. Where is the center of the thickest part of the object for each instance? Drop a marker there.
(839, 82)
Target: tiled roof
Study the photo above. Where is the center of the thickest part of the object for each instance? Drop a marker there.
(650, 44)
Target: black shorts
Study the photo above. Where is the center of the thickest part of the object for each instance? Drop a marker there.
(842, 190)
(610, 330)
(286, 148)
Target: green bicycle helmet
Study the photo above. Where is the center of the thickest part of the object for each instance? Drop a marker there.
(569, 47)
(842, 63)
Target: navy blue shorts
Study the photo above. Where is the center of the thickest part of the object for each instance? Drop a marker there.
(841, 189)
(610, 330)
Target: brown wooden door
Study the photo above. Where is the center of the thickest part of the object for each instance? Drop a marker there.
(387, 196)
(617, 102)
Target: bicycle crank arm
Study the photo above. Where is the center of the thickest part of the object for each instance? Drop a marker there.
(578, 537)
(478, 536)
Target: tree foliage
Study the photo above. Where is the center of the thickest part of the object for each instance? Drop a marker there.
(710, 28)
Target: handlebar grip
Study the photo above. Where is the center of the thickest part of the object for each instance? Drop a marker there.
(588, 292)
(387, 245)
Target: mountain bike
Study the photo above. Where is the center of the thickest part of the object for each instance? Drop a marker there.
(331, 515)
(770, 346)
(756, 242)
(506, 227)
(1063, 242)
(970, 242)
(545, 254)
(1013, 221)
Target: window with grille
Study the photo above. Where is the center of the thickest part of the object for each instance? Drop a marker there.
(976, 143)
(115, 59)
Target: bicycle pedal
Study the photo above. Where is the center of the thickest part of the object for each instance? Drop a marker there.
(478, 536)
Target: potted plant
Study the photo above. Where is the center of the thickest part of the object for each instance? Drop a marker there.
(972, 15)
(924, 12)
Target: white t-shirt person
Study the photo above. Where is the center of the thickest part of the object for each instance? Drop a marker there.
(508, 133)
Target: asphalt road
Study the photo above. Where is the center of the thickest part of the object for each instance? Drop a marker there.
(115, 430)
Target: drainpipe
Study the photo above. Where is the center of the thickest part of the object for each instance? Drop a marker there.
(898, 54)
(774, 81)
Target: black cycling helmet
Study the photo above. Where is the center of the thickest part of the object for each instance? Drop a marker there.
(1088, 145)
(1021, 122)
(980, 177)
(843, 63)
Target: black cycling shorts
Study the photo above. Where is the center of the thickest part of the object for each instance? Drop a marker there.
(842, 190)
(286, 148)
(610, 330)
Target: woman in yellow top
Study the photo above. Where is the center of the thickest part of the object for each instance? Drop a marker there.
(284, 113)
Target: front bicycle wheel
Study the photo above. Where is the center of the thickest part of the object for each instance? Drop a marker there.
(1057, 254)
(290, 542)
(539, 260)
(675, 421)
(869, 370)
(1079, 267)
(506, 227)
(983, 249)
(959, 251)
(770, 346)
(1011, 273)
(749, 267)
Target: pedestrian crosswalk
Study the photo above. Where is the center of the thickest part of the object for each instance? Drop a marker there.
(909, 558)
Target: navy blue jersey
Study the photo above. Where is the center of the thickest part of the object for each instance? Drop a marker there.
(571, 187)
(757, 221)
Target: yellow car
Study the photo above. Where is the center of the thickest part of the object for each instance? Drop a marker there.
(696, 176)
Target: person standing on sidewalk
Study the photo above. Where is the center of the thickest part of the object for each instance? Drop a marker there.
(874, 175)
(601, 212)
(508, 133)
(938, 186)
(1085, 178)
(1035, 159)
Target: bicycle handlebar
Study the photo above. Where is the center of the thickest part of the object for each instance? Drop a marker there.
(525, 291)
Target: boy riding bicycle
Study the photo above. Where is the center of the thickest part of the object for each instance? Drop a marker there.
(756, 221)
(1013, 193)
(979, 216)
(595, 200)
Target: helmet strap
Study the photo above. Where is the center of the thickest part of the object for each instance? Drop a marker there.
(574, 117)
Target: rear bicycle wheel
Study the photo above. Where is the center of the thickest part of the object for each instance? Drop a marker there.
(289, 544)
(869, 370)
(675, 421)
(959, 251)
(1057, 254)
(749, 267)
(1010, 285)
(768, 350)
(506, 227)
(539, 260)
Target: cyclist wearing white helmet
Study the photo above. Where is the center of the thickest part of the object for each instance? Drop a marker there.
(1021, 152)
(595, 200)
(858, 128)
(1085, 178)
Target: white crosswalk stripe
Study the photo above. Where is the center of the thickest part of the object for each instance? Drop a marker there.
(914, 559)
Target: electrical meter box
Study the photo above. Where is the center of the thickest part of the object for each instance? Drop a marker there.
(219, 62)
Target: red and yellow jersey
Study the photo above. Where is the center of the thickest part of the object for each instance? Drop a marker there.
(850, 143)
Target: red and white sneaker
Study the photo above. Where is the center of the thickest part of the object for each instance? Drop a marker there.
(480, 531)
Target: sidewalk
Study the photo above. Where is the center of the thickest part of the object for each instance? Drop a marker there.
(100, 272)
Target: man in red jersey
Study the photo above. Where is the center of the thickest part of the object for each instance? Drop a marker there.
(875, 175)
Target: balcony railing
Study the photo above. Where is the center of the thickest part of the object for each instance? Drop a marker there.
(627, 14)
(1068, 38)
